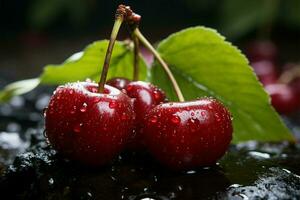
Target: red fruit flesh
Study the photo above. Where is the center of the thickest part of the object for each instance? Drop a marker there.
(284, 99)
(88, 126)
(146, 96)
(186, 135)
(118, 82)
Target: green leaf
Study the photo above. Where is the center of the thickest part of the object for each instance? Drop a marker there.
(80, 66)
(88, 64)
(18, 88)
(204, 64)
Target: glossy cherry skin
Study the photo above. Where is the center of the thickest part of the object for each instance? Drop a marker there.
(87, 126)
(187, 135)
(295, 85)
(284, 98)
(146, 96)
(118, 82)
(265, 71)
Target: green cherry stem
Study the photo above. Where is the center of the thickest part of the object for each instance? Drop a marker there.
(136, 58)
(147, 44)
(117, 24)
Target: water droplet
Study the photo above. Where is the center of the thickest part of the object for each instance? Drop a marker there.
(156, 95)
(153, 119)
(74, 110)
(129, 87)
(112, 104)
(191, 172)
(175, 119)
(88, 80)
(94, 90)
(51, 181)
(77, 127)
(83, 108)
(45, 133)
(96, 100)
(218, 118)
(124, 116)
(45, 111)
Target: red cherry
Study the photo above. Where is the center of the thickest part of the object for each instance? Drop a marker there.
(265, 71)
(146, 96)
(87, 126)
(295, 85)
(118, 82)
(284, 99)
(186, 135)
(262, 50)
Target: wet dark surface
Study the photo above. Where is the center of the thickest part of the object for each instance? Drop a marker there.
(29, 169)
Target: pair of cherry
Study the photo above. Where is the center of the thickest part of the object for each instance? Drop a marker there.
(285, 96)
(92, 123)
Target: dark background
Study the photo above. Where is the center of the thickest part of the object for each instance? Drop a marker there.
(34, 33)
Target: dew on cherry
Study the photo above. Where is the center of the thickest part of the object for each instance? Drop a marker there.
(88, 80)
(175, 119)
(156, 95)
(203, 113)
(129, 88)
(153, 119)
(124, 116)
(84, 107)
(96, 100)
(73, 111)
(45, 133)
(113, 104)
(218, 118)
(45, 111)
(77, 127)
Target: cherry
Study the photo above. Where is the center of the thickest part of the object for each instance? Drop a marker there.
(185, 135)
(146, 96)
(91, 122)
(262, 50)
(118, 82)
(295, 85)
(265, 71)
(284, 99)
(88, 126)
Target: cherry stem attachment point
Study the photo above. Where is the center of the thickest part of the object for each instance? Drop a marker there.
(118, 22)
(148, 45)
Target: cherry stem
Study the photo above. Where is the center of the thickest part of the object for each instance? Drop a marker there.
(148, 45)
(289, 75)
(136, 58)
(117, 24)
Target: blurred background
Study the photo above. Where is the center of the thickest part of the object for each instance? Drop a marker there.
(35, 33)
(39, 32)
